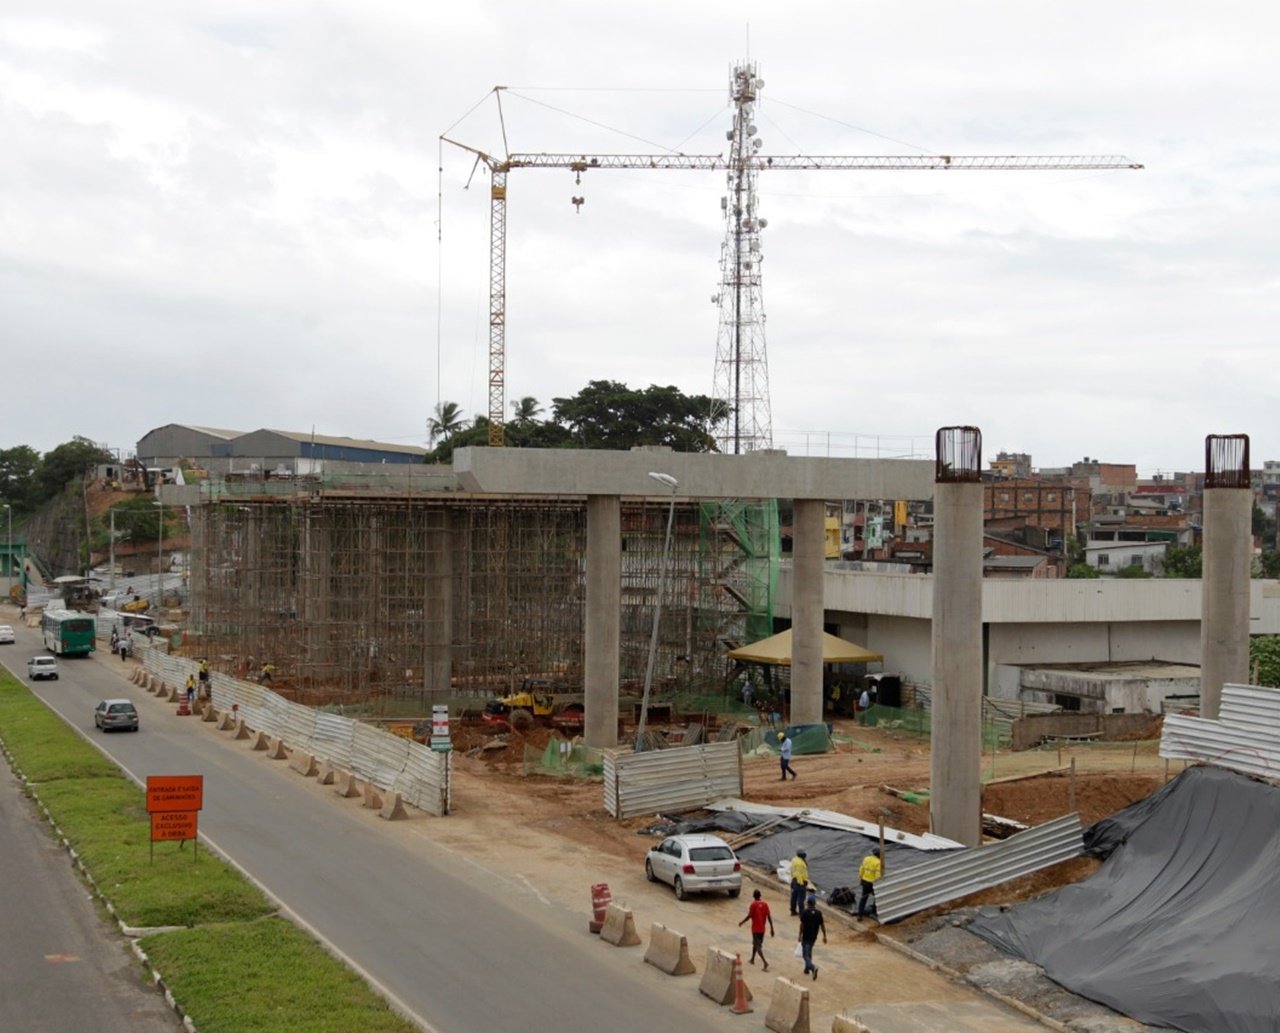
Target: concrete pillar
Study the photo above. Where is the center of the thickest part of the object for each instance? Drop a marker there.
(1224, 601)
(955, 788)
(315, 598)
(602, 638)
(437, 636)
(808, 549)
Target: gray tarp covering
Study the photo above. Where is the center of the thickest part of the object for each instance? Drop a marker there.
(1181, 925)
(834, 855)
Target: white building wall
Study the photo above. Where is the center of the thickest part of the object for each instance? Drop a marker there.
(1031, 621)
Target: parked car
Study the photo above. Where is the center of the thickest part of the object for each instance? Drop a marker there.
(695, 864)
(116, 713)
(42, 667)
(6, 634)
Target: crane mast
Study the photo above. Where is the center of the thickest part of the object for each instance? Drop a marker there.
(741, 381)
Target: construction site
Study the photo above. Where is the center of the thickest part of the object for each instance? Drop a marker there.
(395, 603)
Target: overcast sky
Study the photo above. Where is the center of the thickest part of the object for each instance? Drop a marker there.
(229, 214)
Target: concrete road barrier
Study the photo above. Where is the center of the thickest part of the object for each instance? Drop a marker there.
(669, 951)
(243, 731)
(207, 712)
(789, 1008)
(277, 750)
(226, 721)
(372, 798)
(718, 976)
(845, 1024)
(347, 786)
(619, 926)
(261, 741)
(393, 808)
(303, 763)
(328, 773)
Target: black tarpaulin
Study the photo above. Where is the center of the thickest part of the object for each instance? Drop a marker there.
(1180, 926)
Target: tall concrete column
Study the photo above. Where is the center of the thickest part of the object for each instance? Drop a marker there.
(808, 549)
(437, 645)
(602, 638)
(955, 788)
(1225, 563)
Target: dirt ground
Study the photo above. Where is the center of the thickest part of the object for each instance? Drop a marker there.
(539, 816)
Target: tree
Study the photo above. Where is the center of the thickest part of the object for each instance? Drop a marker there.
(68, 461)
(1133, 570)
(1082, 570)
(1264, 527)
(1264, 657)
(1269, 564)
(446, 422)
(525, 411)
(608, 414)
(1182, 561)
(18, 467)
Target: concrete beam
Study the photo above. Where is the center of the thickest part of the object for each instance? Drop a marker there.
(1224, 619)
(808, 551)
(755, 475)
(602, 638)
(955, 783)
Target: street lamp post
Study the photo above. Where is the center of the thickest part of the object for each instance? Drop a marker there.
(159, 554)
(673, 484)
(9, 510)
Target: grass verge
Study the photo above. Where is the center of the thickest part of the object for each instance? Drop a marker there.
(232, 967)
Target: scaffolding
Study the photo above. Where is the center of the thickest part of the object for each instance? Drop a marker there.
(369, 600)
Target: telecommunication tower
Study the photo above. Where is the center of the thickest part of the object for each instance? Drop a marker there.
(740, 387)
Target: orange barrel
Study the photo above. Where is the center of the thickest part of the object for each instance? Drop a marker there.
(600, 899)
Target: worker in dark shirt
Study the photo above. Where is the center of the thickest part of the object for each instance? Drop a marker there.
(811, 924)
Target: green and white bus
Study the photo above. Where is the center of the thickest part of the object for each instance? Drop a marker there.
(67, 633)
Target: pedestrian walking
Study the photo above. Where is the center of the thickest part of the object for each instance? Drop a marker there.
(811, 923)
(204, 678)
(799, 880)
(864, 704)
(265, 674)
(784, 755)
(871, 870)
(758, 915)
(191, 689)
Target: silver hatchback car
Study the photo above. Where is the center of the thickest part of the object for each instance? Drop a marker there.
(116, 713)
(695, 864)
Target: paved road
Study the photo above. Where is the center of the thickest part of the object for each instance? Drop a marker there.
(62, 966)
(459, 948)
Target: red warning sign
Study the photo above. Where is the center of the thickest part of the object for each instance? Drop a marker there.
(173, 825)
(174, 793)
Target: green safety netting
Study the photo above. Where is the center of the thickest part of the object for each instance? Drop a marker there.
(563, 757)
(764, 742)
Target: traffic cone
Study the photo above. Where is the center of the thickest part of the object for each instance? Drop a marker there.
(741, 995)
(600, 899)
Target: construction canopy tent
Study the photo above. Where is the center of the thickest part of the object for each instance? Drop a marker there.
(776, 650)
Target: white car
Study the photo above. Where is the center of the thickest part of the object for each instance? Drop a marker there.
(42, 667)
(6, 634)
(695, 864)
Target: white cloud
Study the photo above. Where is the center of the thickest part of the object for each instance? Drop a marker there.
(229, 215)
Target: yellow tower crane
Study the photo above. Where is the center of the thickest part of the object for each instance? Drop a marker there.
(742, 160)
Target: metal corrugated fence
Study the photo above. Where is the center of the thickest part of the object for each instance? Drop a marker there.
(1250, 705)
(675, 779)
(1250, 749)
(417, 772)
(979, 868)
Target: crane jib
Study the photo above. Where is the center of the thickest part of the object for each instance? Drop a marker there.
(762, 162)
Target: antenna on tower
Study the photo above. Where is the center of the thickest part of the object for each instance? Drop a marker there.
(741, 383)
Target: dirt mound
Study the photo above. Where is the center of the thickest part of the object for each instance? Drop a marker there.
(1036, 800)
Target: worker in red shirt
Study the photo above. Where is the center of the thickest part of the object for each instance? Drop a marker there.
(758, 915)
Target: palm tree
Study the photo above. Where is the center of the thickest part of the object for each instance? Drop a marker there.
(525, 411)
(445, 423)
